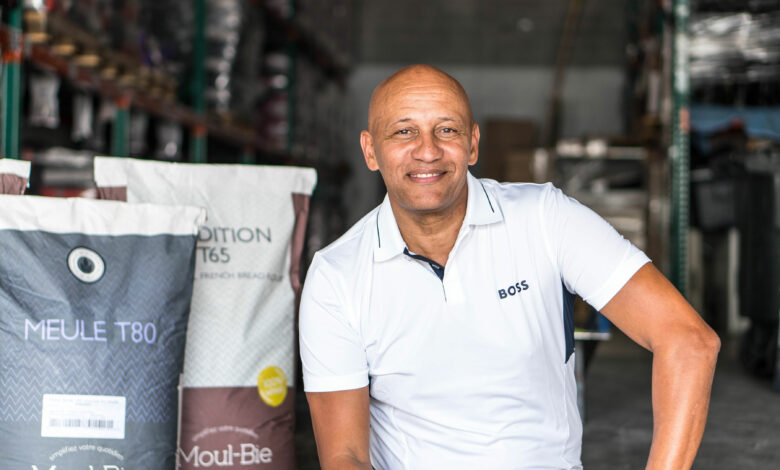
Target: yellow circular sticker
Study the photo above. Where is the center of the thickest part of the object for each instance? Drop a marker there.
(272, 385)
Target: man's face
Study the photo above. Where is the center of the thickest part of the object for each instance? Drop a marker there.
(422, 140)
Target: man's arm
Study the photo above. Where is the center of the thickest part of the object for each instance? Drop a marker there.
(340, 421)
(654, 314)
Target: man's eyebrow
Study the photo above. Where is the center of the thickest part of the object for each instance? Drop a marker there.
(441, 118)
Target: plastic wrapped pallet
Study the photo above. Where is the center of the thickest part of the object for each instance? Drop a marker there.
(94, 301)
(14, 175)
(237, 400)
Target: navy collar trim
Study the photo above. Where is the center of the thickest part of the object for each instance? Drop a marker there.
(481, 209)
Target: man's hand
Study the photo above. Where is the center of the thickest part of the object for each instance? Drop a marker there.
(654, 314)
(340, 421)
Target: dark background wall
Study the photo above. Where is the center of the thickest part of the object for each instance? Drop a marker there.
(503, 52)
(488, 32)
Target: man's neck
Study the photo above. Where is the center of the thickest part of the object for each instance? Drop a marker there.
(432, 235)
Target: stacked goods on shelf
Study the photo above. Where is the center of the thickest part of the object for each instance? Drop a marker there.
(648, 55)
(331, 25)
(239, 367)
(735, 57)
(246, 83)
(135, 56)
(82, 117)
(320, 116)
(64, 172)
(274, 120)
(44, 108)
(170, 138)
(223, 30)
(301, 111)
(112, 49)
(93, 315)
(137, 133)
(35, 16)
(100, 116)
(308, 80)
(168, 26)
(159, 35)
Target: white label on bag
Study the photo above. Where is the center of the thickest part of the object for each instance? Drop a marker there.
(87, 416)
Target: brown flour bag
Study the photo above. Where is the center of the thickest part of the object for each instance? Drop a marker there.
(237, 386)
(14, 175)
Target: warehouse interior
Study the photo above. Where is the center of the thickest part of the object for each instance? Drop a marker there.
(663, 116)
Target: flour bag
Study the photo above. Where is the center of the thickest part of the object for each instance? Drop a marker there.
(14, 175)
(94, 301)
(239, 367)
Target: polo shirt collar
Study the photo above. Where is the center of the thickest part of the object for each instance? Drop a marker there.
(481, 209)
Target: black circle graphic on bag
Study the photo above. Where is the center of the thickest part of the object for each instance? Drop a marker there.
(86, 265)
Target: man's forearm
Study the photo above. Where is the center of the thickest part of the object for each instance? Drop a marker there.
(682, 380)
(345, 462)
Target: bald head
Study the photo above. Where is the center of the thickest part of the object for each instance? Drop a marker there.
(414, 77)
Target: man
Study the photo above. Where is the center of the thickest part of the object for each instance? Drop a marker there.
(437, 332)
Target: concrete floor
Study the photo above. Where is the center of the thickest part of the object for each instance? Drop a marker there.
(743, 431)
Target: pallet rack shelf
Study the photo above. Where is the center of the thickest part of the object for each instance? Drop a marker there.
(132, 85)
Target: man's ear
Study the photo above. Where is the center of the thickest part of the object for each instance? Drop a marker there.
(474, 150)
(367, 144)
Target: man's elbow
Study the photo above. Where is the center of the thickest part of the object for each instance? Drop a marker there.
(702, 343)
(712, 343)
(697, 343)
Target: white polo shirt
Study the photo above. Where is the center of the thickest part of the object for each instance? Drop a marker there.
(473, 370)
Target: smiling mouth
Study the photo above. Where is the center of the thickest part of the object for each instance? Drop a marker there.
(428, 175)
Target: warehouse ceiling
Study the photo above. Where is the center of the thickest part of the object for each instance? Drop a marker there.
(488, 32)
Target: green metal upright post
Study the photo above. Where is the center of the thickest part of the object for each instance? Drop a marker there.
(119, 131)
(12, 78)
(680, 149)
(198, 133)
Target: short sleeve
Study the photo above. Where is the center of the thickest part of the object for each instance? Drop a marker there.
(332, 352)
(595, 261)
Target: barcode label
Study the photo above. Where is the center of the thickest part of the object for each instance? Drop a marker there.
(82, 423)
(86, 416)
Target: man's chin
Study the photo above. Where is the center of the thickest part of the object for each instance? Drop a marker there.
(427, 206)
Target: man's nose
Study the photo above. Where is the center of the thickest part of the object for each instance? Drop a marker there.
(427, 148)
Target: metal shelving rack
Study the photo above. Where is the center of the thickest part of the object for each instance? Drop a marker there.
(18, 50)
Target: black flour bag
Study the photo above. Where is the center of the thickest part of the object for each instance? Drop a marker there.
(94, 301)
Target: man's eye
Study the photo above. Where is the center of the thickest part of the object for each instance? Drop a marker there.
(403, 131)
(448, 130)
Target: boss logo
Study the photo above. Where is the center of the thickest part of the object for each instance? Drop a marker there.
(512, 290)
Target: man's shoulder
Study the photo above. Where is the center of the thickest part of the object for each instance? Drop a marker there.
(352, 248)
(512, 193)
